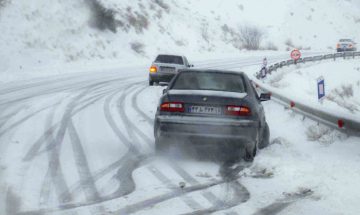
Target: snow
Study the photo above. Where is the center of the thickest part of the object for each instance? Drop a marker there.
(57, 37)
(308, 170)
(342, 85)
(76, 114)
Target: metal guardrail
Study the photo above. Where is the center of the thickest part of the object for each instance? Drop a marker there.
(343, 123)
(343, 55)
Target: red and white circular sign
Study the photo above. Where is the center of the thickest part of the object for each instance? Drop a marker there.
(295, 54)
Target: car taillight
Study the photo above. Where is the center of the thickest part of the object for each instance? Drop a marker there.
(237, 110)
(338, 45)
(153, 69)
(350, 46)
(172, 107)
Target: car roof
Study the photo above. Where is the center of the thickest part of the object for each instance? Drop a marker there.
(175, 55)
(212, 70)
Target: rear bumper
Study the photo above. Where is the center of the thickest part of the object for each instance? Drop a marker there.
(161, 77)
(244, 131)
(345, 49)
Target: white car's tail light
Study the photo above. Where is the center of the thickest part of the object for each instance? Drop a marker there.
(153, 69)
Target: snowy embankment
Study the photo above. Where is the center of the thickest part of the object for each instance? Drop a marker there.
(42, 38)
(342, 85)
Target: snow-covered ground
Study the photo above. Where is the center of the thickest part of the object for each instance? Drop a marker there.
(41, 38)
(81, 141)
(85, 146)
(342, 85)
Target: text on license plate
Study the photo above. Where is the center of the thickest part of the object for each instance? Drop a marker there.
(205, 110)
(170, 70)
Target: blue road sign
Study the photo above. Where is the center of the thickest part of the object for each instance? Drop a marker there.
(321, 88)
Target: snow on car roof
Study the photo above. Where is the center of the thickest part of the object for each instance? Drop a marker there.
(236, 95)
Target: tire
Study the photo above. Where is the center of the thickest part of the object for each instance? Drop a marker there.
(161, 145)
(151, 83)
(250, 154)
(265, 140)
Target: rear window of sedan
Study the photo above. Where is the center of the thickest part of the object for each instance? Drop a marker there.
(209, 81)
(169, 59)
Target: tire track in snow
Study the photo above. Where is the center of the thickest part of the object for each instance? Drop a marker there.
(132, 208)
(175, 193)
(107, 113)
(136, 106)
(35, 148)
(25, 118)
(86, 179)
(54, 173)
(281, 204)
(241, 195)
(166, 181)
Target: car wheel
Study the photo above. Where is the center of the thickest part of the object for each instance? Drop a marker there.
(151, 83)
(265, 140)
(250, 153)
(161, 145)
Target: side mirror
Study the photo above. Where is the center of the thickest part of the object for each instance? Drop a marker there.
(164, 91)
(265, 97)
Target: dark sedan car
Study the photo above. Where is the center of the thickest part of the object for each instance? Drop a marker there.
(212, 105)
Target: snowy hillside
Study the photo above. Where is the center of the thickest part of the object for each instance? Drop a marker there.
(46, 34)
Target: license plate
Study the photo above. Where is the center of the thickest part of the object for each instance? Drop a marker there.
(168, 70)
(205, 110)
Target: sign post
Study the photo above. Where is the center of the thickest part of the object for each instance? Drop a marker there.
(321, 88)
(295, 55)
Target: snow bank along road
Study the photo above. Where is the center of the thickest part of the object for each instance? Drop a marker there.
(83, 144)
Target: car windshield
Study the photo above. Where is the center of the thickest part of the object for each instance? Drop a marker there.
(169, 59)
(209, 81)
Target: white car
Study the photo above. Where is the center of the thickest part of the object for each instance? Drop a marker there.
(345, 45)
(165, 67)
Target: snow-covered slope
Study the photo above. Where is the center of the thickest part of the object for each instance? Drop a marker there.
(46, 34)
(342, 85)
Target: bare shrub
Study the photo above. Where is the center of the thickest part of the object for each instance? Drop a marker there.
(346, 91)
(205, 32)
(271, 46)
(340, 96)
(356, 20)
(231, 36)
(138, 47)
(163, 5)
(251, 37)
(138, 21)
(3, 3)
(180, 43)
(289, 43)
(103, 18)
(316, 132)
(323, 134)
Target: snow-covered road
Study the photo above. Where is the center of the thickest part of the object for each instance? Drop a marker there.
(83, 144)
